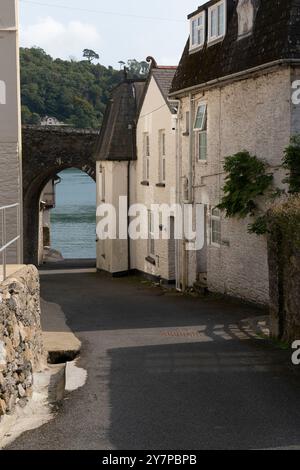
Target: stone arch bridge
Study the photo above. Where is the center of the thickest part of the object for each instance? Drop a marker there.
(46, 152)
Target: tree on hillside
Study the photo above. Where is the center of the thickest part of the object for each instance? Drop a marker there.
(74, 92)
(137, 69)
(90, 55)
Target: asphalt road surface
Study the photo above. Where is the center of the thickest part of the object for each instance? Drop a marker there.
(167, 371)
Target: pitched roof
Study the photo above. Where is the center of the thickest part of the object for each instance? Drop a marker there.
(116, 141)
(164, 77)
(275, 36)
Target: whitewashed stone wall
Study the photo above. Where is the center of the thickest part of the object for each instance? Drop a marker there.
(295, 77)
(253, 115)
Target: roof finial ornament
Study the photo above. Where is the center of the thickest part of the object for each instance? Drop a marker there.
(153, 62)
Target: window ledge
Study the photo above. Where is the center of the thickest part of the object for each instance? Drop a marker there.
(194, 50)
(150, 260)
(212, 42)
(145, 183)
(161, 185)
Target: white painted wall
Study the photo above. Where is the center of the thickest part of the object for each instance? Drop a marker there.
(253, 115)
(155, 116)
(112, 255)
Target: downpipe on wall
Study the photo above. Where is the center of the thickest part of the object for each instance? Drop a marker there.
(185, 263)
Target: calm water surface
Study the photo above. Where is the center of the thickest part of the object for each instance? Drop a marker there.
(73, 221)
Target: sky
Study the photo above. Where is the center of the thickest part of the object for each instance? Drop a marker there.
(116, 29)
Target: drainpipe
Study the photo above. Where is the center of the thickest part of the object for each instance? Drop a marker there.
(128, 206)
(133, 143)
(191, 143)
(178, 192)
(185, 263)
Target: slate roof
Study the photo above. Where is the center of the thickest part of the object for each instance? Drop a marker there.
(276, 36)
(116, 141)
(164, 77)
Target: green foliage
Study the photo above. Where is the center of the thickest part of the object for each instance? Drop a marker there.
(246, 180)
(90, 55)
(260, 226)
(285, 217)
(291, 162)
(137, 69)
(75, 93)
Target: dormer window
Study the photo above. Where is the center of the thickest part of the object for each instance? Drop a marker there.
(197, 37)
(217, 21)
(246, 14)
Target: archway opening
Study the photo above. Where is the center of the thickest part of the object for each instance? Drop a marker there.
(67, 222)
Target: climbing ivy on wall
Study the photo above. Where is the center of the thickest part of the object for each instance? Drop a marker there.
(291, 162)
(246, 179)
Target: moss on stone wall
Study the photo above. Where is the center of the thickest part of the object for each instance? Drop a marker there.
(284, 266)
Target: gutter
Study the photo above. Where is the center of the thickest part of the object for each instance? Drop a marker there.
(235, 76)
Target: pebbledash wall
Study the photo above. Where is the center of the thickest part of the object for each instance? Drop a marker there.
(254, 114)
(21, 347)
(10, 122)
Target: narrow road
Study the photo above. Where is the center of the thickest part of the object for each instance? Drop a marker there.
(167, 372)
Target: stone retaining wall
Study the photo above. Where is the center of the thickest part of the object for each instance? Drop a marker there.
(21, 348)
(284, 270)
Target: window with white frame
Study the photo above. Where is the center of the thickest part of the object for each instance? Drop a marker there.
(200, 129)
(197, 35)
(217, 21)
(162, 156)
(151, 234)
(146, 157)
(215, 226)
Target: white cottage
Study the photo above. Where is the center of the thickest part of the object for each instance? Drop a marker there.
(156, 173)
(234, 83)
(136, 158)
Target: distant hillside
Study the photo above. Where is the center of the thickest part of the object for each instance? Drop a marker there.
(75, 93)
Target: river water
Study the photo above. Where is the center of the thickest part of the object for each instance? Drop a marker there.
(73, 221)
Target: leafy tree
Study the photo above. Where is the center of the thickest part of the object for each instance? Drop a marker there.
(291, 162)
(74, 92)
(137, 69)
(90, 55)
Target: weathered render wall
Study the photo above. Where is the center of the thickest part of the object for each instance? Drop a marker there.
(10, 118)
(152, 122)
(284, 266)
(21, 348)
(254, 115)
(10, 193)
(295, 77)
